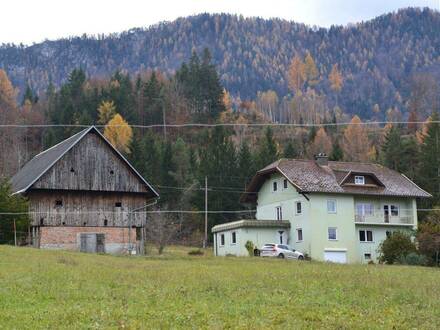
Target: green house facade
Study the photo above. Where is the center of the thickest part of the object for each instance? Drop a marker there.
(331, 211)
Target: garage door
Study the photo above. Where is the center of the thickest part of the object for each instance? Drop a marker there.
(336, 256)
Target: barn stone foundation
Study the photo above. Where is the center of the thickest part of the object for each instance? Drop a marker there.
(69, 238)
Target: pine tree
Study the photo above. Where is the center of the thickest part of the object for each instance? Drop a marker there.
(246, 164)
(290, 151)
(337, 154)
(392, 149)
(267, 151)
(168, 170)
(429, 169)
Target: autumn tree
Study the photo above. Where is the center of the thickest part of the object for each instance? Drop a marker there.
(336, 81)
(355, 142)
(119, 133)
(106, 111)
(320, 144)
(297, 75)
(310, 70)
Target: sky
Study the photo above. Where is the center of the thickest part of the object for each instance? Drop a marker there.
(31, 21)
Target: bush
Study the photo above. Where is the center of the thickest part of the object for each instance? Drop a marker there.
(250, 248)
(196, 252)
(397, 245)
(413, 259)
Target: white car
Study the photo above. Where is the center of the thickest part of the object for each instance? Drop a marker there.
(280, 251)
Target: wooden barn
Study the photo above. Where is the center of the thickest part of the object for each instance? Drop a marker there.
(84, 195)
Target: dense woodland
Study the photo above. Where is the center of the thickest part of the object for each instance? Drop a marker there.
(380, 60)
(176, 160)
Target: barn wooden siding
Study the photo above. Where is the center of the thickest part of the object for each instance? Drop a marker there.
(91, 165)
(85, 208)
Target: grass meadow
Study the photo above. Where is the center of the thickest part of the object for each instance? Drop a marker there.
(56, 289)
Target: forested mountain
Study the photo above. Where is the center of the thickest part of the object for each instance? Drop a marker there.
(380, 60)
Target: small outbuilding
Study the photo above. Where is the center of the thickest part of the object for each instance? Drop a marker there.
(84, 195)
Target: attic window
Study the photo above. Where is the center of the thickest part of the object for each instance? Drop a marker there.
(274, 186)
(118, 204)
(72, 170)
(285, 184)
(359, 179)
(58, 203)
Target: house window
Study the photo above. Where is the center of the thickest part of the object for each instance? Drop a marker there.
(222, 239)
(359, 179)
(234, 237)
(331, 206)
(299, 234)
(298, 208)
(367, 256)
(285, 183)
(365, 235)
(118, 204)
(332, 234)
(364, 209)
(275, 186)
(394, 210)
(279, 213)
(58, 203)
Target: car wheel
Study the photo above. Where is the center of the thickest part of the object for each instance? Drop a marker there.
(281, 256)
(300, 258)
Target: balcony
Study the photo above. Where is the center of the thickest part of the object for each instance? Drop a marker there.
(404, 218)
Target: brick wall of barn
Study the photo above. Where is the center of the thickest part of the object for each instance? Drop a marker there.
(116, 238)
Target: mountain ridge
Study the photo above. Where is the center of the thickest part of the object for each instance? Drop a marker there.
(378, 57)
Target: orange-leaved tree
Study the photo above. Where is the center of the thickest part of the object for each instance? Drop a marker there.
(119, 133)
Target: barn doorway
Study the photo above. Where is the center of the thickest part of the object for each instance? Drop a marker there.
(92, 242)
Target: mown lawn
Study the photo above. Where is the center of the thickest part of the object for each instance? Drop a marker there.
(51, 289)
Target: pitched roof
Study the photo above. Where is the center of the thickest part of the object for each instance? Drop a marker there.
(41, 163)
(308, 177)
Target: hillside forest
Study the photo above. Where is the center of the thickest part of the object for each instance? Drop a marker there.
(176, 160)
(383, 61)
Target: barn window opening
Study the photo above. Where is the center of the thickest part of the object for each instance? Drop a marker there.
(72, 170)
(64, 223)
(41, 221)
(84, 223)
(118, 204)
(105, 222)
(58, 202)
(112, 172)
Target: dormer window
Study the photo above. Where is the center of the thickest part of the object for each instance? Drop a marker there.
(359, 179)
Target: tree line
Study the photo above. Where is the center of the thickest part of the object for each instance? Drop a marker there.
(177, 160)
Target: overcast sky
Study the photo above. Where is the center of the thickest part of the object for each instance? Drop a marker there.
(29, 21)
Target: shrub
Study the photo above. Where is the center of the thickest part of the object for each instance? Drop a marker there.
(196, 252)
(250, 248)
(413, 259)
(428, 237)
(397, 245)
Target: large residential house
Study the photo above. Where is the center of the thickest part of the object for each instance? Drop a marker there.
(332, 211)
(84, 195)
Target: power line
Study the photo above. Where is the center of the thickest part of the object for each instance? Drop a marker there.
(189, 125)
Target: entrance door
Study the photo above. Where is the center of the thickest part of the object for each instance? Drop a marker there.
(386, 213)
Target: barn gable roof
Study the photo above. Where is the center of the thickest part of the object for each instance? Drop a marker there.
(41, 163)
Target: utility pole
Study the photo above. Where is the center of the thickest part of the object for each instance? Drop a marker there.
(205, 240)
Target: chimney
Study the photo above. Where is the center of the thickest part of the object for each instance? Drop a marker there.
(321, 159)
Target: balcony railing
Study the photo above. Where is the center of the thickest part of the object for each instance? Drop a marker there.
(405, 217)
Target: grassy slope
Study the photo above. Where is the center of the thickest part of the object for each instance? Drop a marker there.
(49, 289)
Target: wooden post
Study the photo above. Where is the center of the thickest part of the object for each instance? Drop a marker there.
(15, 234)
(205, 240)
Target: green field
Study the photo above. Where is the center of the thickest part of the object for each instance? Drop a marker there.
(51, 289)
